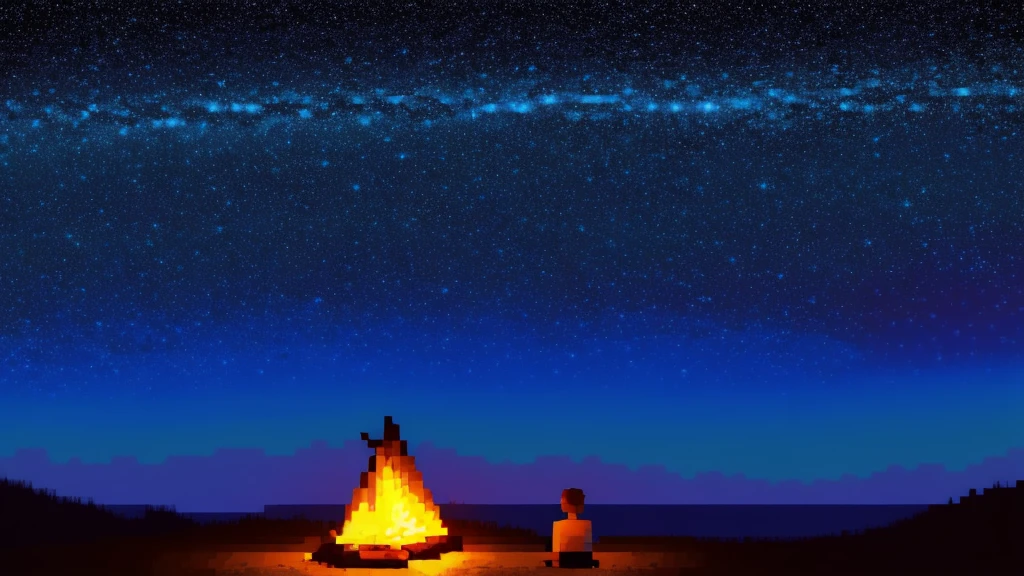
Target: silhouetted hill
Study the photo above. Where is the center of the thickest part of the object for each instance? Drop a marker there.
(979, 534)
(31, 516)
(35, 516)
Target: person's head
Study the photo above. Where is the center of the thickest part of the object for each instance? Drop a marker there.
(572, 501)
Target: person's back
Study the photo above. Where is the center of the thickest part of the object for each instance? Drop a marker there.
(572, 535)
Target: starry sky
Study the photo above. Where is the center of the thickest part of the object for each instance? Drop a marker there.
(791, 290)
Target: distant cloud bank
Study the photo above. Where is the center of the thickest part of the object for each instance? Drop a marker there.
(239, 480)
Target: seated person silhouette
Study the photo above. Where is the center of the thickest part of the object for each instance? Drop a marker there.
(572, 540)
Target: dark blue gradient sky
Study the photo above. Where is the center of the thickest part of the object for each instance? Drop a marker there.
(771, 247)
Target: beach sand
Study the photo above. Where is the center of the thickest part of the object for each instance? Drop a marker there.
(452, 564)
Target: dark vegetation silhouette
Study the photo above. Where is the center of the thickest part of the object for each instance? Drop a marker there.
(983, 533)
(34, 516)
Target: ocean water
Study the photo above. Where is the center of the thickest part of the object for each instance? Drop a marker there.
(699, 521)
(609, 520)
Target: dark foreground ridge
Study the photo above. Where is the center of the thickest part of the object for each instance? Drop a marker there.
(36, 524)
(982, 534)
(41, 533)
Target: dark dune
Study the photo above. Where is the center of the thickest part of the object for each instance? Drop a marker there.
(41, 533)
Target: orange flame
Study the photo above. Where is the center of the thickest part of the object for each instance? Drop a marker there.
(391, 506)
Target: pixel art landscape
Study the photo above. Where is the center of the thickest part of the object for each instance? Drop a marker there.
(709, 287)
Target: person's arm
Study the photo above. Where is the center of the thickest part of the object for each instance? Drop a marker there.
(556, 539)
(588, 538)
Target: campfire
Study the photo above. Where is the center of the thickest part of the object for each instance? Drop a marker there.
(392, 517)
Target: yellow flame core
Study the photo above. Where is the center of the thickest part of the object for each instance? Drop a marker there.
(392, 514)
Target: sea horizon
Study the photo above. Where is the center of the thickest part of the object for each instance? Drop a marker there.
(694, 520)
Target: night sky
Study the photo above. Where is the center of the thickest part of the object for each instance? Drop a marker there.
(781, 240)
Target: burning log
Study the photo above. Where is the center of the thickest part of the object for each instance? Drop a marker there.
(392, 517)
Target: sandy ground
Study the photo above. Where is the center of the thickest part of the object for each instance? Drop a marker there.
(156, 558)
(452, 564)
